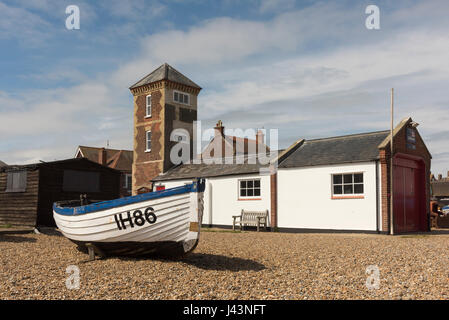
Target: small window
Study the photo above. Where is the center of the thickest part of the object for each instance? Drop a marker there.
(249, 188)
(16, 181)
(348, 184)
(148, 145)
(128, 181)
(148, 107)
(181, 97)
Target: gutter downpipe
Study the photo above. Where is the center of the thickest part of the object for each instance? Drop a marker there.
(377, 196)
(391, 165)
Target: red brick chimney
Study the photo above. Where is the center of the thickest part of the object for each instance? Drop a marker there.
(219, 129)
(259, 140)
(260, 136)
(102, 156)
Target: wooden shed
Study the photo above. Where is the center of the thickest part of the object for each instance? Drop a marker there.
(27, 192)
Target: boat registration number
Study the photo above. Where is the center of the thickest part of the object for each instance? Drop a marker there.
(137, 218)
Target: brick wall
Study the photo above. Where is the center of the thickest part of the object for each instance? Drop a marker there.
(400, 146)
(164, 118)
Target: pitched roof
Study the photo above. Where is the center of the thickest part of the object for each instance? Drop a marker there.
(188, 171)
(336, 150)
(165, 72)
(116, 159)
(2, 164)
(34, 166)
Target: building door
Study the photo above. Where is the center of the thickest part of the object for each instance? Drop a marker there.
(409, 196)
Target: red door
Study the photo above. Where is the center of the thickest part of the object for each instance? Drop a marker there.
(409, 196)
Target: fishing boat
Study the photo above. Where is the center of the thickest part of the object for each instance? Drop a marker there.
(166, 222)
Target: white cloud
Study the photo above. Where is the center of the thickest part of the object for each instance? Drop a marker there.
(276, 5)
(135, 9)
(312, 72)
(21, 24)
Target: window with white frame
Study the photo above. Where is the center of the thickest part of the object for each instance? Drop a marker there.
(148, 107)
(148, 144)
(249, 188)
(347, 184)
(128, 181)
(180, 97)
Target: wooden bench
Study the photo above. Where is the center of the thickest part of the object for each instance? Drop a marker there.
(251, 218)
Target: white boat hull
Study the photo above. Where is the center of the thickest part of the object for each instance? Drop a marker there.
(165, 222)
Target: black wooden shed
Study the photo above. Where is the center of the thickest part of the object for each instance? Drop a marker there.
(27, 192)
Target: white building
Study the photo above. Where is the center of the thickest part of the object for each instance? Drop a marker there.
(229, 189)
(332, 184)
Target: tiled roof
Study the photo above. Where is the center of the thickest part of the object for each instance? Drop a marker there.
(34, 166)
(336, 150)
(116, 159)
(165, 72)
(2, 164)
(190, 171)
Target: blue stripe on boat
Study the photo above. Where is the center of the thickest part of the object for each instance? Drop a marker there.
(104, 205)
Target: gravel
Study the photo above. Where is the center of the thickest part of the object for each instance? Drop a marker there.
(229, 265)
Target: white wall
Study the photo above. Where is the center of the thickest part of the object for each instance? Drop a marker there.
(221, 200)
(305, 199)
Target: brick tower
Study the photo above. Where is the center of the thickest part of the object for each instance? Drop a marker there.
(163, 100)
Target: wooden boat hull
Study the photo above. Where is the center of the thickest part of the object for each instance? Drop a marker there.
(163, 222)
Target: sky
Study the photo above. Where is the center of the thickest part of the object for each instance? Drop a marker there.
(309, 69)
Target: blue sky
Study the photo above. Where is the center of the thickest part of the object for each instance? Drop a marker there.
(308, 68)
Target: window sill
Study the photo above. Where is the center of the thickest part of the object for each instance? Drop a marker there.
(248, 199)
(347, 197)
(182, 103)
(148, 150)
(147, 117)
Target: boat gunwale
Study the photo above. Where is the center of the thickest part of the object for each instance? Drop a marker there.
(110, 204)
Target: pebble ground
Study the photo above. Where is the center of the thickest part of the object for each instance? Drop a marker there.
(229, 265)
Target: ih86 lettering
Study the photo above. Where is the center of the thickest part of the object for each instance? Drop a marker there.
(136, 219)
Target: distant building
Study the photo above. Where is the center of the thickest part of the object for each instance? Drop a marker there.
(27, 192)
(2, 164)
(440, 188)
(233, 146)
(120, 160)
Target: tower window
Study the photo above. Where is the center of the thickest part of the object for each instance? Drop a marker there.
(180, 97)
(148, 141)
(148, 108)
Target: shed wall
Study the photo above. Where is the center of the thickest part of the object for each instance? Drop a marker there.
(305, 199)
(19, 208)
